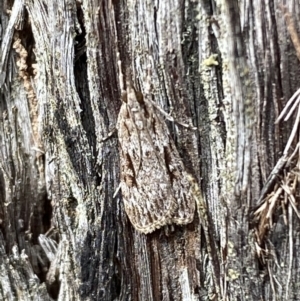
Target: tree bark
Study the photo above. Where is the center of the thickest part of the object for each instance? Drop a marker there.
(225, 67)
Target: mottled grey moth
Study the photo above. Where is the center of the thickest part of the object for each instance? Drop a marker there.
(155, 186)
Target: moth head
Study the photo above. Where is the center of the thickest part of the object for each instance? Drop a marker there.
(133, 96)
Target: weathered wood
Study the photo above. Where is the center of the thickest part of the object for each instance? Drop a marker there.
(227, 67)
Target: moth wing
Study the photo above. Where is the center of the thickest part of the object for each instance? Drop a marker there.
(182, 189)
(146, 188)
(178, 177)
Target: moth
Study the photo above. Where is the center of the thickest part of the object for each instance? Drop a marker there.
(155, 186)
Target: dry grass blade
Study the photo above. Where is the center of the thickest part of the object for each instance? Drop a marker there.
(264, 205)
(265, 212)
(272, 202)
(273, 177)
(293, 108)
(284, 212)
(293, 133)
(293, 155)
(289, 103)
(291, 198)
